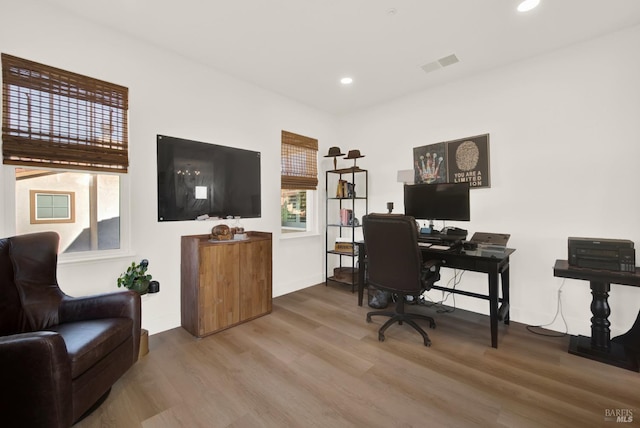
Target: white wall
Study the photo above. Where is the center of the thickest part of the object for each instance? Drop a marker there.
(564, 153)
(172, 96)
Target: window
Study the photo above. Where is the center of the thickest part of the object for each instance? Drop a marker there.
(50, 206)
(299, 159)
(94, 223)
(294, 209)
(67, 136)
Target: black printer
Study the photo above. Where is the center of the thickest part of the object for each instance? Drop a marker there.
(607, 254)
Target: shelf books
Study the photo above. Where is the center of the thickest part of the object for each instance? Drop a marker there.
(340, 192)
(346, 217)
(345, 189)
(345, 245)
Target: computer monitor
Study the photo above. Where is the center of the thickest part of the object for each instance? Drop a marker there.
(439, 201)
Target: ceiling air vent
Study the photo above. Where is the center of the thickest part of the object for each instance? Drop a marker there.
(442, 62)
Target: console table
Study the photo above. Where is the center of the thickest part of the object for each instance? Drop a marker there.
(622, 351)
(494, 263)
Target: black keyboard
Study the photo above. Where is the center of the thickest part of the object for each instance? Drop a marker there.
(430, 239)
(438, 238)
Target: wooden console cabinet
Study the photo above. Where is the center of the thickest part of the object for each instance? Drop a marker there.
(226, 283)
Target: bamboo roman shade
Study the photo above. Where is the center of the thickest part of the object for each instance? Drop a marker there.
(58, 119)
(299, 160)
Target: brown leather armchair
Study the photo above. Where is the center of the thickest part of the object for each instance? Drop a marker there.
(59, 355)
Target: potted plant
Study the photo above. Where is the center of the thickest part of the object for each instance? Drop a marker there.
(136, 277)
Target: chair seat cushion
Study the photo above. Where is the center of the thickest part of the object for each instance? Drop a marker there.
(89, 341)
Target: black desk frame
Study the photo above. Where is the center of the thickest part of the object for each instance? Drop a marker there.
(497, 269)
(600, 347)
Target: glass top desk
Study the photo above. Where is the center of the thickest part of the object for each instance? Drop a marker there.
(494, 263)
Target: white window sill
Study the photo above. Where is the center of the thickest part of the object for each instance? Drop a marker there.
(296, 235)
(93, 256)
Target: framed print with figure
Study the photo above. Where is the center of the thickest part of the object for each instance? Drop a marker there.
(429, 164)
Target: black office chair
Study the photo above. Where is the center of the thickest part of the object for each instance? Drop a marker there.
(395, 264)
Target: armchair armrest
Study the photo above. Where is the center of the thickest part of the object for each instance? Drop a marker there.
(38, 369)
(121, 304)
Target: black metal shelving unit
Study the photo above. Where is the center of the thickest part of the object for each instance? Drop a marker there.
(357, 202)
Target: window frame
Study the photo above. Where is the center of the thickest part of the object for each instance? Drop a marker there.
(33, 207)
(312, 218)
(106, 155)
(125, 252)
(298, 195)
(298, 173)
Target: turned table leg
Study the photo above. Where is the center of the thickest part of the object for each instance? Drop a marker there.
(600, 332)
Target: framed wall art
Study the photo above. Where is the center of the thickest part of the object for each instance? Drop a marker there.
(429, 164)
(469, 161)
(456, 161)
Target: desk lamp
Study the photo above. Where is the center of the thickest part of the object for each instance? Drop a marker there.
(405, 176)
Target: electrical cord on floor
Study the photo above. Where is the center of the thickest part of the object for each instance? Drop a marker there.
(445, 295)
(558, 311)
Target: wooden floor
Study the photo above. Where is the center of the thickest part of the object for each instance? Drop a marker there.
(315, 362)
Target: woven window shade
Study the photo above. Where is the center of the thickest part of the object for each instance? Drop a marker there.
(58, 119)
(299, 160)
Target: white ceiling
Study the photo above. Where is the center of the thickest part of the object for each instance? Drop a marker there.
(301, 48)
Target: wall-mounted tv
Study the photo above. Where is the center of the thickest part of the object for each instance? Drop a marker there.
(196, 178)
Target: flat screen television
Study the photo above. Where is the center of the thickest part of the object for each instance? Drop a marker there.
(439, 201)
(196, 178)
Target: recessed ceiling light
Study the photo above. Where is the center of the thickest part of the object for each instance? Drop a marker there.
(346, 80)
(527, 5)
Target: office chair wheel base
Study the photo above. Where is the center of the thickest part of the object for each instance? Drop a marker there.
(380, 337)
